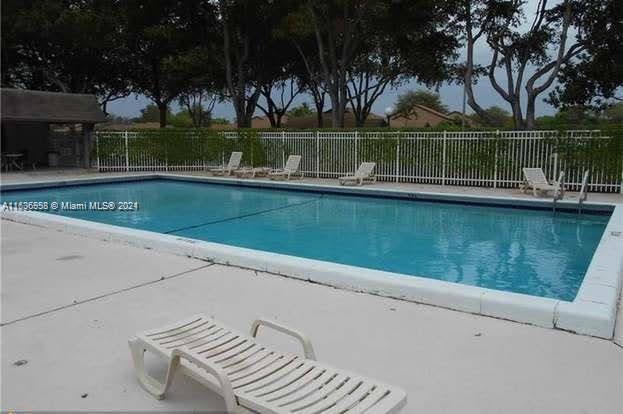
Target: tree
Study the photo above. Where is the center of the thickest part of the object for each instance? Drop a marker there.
(407, 102)
(362, 46)
(309, 75)
(151, 113)
(556, 36)
(597, 78)
(368, 78)
(65, 46)
(420, 45)
(169, 48)
(495, 117)
(249, 48)
(614, 113)
(338, 28)
(300, 110)
(279, 95)
(199, 104)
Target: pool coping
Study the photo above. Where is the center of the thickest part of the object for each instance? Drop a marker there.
(593, 311)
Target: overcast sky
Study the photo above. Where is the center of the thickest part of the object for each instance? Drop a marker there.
(451, 95)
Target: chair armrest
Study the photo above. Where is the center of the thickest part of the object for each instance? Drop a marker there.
(227, 391)
(308, 349)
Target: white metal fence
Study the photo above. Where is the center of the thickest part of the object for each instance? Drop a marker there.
(489, 159)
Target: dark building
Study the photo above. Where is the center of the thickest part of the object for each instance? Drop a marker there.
(29, 119)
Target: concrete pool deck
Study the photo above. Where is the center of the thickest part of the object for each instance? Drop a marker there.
(70, 312)
(72, 173)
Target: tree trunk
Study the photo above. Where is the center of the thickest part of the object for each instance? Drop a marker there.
(530, 122)
(319, 103)
(334, 108)
(162, 109)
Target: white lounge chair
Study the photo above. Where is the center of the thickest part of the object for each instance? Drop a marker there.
(363, 173)
(253, 378)
(535, 179)
(289, 170)
(233, 164)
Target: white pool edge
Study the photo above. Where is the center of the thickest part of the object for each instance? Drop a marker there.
(593, 311)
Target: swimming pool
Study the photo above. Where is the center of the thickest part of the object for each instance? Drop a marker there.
(527, 251)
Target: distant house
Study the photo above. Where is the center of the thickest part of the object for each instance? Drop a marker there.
(421, 116)
(260, 122)
(263, 122)
(311, 121)
(27, 117)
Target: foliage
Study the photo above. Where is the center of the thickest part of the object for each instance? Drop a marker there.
(491, 155)
(407, 101)
(65, 46)
(596, 78)
(614, 113)
(495, 117)
(151, 113)
(167, 47)
(300, 110)
(532, 47)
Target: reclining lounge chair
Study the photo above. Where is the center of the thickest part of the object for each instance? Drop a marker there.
(232, 165)
(253, 378)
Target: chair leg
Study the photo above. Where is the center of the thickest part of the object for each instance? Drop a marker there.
(149, 383)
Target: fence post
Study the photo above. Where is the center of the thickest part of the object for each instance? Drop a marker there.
(283, 149)
(317, 154)
(443, 159)
(97, 150)
(495, 160)
(127, 154)
(397, 156)
(166, 156)
(356, 150)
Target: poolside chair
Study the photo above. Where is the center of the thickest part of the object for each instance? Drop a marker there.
(535, 178)
(254, 378)
(289, 170)
(363, 173)
(233, 164)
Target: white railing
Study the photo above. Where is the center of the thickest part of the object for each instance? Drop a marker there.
(487, 159)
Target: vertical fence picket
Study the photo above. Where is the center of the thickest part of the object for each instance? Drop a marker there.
(443, 158)
(127, 152)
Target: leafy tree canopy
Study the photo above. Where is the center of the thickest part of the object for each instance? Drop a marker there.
(300, 110)
(496, 117)
(406, 101)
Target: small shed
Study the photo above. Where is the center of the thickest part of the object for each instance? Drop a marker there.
(27, 117)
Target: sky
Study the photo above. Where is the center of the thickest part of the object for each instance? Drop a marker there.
(451, 94)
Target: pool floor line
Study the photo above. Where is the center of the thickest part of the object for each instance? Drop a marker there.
(255, 213)
(105, 295)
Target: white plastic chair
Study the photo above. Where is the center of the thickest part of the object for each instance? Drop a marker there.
(233, 164)
(363, 173)
(254, 378)
(289, 170)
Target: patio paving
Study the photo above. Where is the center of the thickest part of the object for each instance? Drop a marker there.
(69, 304)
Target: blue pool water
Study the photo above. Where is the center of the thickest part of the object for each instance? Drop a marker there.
(526, 251)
